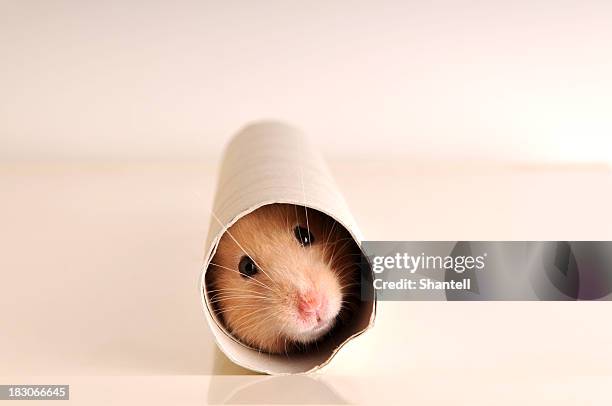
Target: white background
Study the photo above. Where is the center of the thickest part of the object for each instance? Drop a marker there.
(446, 80)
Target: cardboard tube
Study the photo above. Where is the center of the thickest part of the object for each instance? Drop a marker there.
(266, 163)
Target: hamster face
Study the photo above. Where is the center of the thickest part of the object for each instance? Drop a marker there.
(282, 276)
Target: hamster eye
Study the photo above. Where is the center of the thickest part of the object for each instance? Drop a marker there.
(247, 267)
(303, 236)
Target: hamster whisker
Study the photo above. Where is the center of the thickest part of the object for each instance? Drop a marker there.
(278, 336)
(335, 248)
(343, 268)
(344, 286)
(224, 295)
(248, 277)
(304, 192)
(332, 247)
(246, 326)
(326, 243)
(215, 300)
(348, 278)
(259, 309)
(229, 294)
(230, 308)
(346, 299)
(239, 306)
(234, 293)
(265, 319)
(233, 290)
(280, 333)
(349, 285)
(353, 293)
(297, 217)
(253, 322)
(346, 241)
(232, 300)
(354, 254)
(287, 219)
(242, 293)
(331, 231)
(347, 305)
(225, 230)
(223, 300)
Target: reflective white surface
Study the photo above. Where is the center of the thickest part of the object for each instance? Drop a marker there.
(100, 266)
(417, 388)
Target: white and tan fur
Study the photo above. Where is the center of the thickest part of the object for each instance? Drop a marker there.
(299, 292)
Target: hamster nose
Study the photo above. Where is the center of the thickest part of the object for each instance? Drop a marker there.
(311, 305)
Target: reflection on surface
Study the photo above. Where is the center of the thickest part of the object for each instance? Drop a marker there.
(224, 366)
(236, 385)
(264, 389)
(456, 385)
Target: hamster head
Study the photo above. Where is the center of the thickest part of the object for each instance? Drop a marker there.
(282, 277)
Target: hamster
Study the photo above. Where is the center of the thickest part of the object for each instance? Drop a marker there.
(283, 276)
